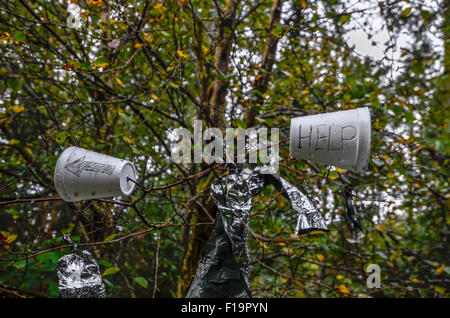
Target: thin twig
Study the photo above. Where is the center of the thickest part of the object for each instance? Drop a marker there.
(155, 287)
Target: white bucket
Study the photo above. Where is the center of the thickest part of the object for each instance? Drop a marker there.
(340, 139)
(81, 174)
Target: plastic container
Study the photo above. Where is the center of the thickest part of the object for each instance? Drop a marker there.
(81, 174)
(340, 139)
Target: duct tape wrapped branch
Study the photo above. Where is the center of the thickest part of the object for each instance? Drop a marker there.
(79, 275)
(224, 269)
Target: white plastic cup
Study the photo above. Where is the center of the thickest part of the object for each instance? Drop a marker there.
(81, 174)
(340, 139)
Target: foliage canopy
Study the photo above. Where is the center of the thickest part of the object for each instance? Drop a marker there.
(136, 69)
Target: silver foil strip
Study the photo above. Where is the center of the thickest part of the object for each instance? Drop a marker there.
(224, 268)
(308, 218)
(79, 276)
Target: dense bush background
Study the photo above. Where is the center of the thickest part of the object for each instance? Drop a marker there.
(138, 68)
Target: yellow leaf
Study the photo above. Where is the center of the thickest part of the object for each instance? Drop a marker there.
(120, 82)
(380, 228)
(418, 148)
(182, 54)
(13, 141)
(262, 244)
(339, 277)
(154, 96)
(318, 232)
(18, 109)
(4, 119)
(11, 239)
(303, 4)
(343, 290)
(440, 269)
(160, 17)
(205, 49)
(127, 139)
(85, 14)
(414, 280)
(5, 36)
(287, 251)
(98, 65)
(96, 2)
(138, 45)
(110, 271)
(148, 37)
(440, 290)
(320, 257)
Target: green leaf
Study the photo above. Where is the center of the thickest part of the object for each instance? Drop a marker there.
(83, 66)
(53, 289)
(204, 184)
(333, 175)
(20, 36)
(397, 109)
(241, 124)
(278, 30)
(14, 84)
(100, 146)
(344, 18)
(101, 60)
(105, 263)
(67, 229)
(61, 137)
(406, 12)
(12, 212)
(141, 281)
(409, 117)
(111, 271)
(20, 264)
(110, 237)
(425, 16)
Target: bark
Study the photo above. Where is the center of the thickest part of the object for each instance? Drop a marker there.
(262, 80)
(223, 45)
(195, 237)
